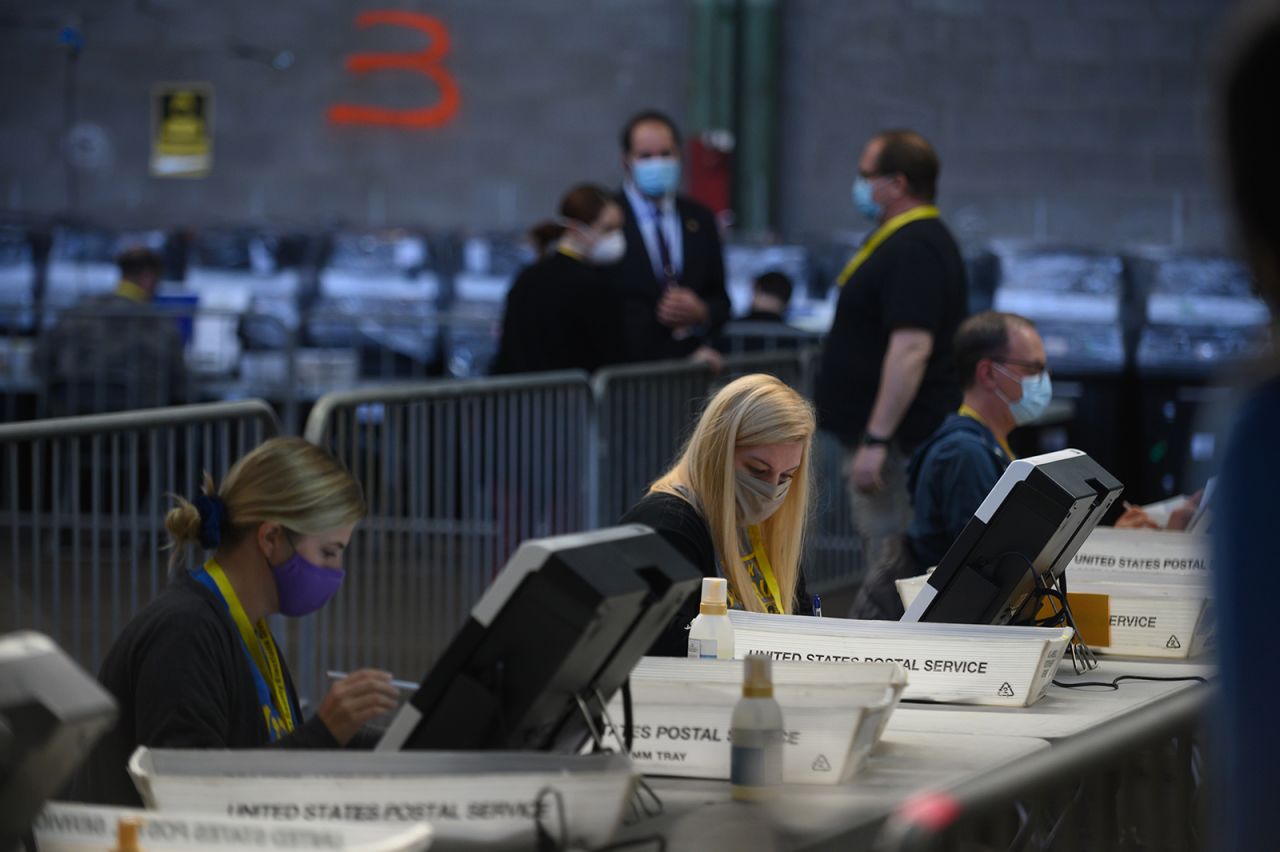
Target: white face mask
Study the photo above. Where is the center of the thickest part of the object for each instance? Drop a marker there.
(757, 500)
(608, 249)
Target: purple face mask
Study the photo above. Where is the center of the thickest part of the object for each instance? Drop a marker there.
(302, 586)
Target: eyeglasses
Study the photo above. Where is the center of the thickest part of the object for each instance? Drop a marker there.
(1034, 368)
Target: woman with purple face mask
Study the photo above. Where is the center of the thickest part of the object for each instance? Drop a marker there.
(198, 666)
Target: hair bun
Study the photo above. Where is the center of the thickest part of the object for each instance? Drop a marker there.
(213, 517)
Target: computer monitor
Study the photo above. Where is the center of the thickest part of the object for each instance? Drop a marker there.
(548, 644)
(1021, 538)
(51, 713)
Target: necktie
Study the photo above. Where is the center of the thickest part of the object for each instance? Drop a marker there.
(668, 277)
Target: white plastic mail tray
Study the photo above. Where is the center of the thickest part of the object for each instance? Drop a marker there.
(476, 797)
(1162, 615)
(72, 827)
(833, 714)
(1157, 582)
(950, 663)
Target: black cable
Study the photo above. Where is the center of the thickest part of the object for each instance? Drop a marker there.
(544, 841)
(657, 839)
(628, 717)
(1115, 684)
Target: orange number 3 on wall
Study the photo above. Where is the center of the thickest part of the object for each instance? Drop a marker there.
(425, 62)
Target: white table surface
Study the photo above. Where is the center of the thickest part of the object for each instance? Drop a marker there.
(699, 814)
(1062, 712)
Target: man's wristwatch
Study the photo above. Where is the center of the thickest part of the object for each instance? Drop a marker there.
(869, 440)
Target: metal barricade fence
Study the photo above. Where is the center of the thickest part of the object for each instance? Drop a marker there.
(833, 555)
(782, 364)
(1134, 783)
(833, 558)
(456, 475)
(82, 511)
(644, 414)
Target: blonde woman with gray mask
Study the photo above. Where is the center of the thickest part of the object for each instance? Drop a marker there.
(736, 502)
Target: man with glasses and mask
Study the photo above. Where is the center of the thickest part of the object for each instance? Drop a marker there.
(886, 379)
(1000, 358)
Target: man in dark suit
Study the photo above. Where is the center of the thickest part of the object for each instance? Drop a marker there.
(671, 279)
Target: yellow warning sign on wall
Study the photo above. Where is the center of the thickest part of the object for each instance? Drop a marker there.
(181, 130)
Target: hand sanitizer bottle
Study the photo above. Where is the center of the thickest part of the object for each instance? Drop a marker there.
(755, 763)
(711, 634)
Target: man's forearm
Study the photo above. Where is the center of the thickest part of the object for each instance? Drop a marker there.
(900, 378)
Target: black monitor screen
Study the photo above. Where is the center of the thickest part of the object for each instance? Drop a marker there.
(559, 630)
(1023, 536)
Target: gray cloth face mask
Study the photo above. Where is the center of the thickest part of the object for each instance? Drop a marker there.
(757, 500)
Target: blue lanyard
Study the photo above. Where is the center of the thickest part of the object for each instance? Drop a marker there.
(271, 717)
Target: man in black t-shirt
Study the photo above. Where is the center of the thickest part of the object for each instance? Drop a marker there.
(886, 379)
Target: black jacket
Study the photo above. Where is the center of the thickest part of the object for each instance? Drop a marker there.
(182, 679)
(685, 530)
(561, 315)
(640, 290)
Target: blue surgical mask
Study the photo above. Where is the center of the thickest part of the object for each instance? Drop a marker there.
(863, 200)
(1037, 392)
(656, 176)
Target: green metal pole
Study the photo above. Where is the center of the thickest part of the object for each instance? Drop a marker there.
(756, 153)
(702, 62)
(714, 43)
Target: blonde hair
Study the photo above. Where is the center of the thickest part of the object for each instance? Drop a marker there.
(287, 481)
(753, 411)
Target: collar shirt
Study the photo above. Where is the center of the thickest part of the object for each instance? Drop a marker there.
(648, 212)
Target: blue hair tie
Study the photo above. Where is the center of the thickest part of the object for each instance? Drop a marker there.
(213, 517)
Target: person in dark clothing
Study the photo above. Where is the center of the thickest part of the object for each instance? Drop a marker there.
(198, 667)
(561, 313)
(886, 381)
(770, 296)
(740, 487)
(671, 279)
(1247, 758)
(116, 351)
(949, 476)
(1006, 383)
(762, 328)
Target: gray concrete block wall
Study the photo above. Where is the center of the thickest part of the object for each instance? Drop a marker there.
(1078, 121)
(544, 89)
(1072, 120)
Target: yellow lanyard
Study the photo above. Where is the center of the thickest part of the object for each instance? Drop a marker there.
(262, 648)
(570, 253)
(766, 568)
(915, 214)
(128, 290)
(968, 411)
